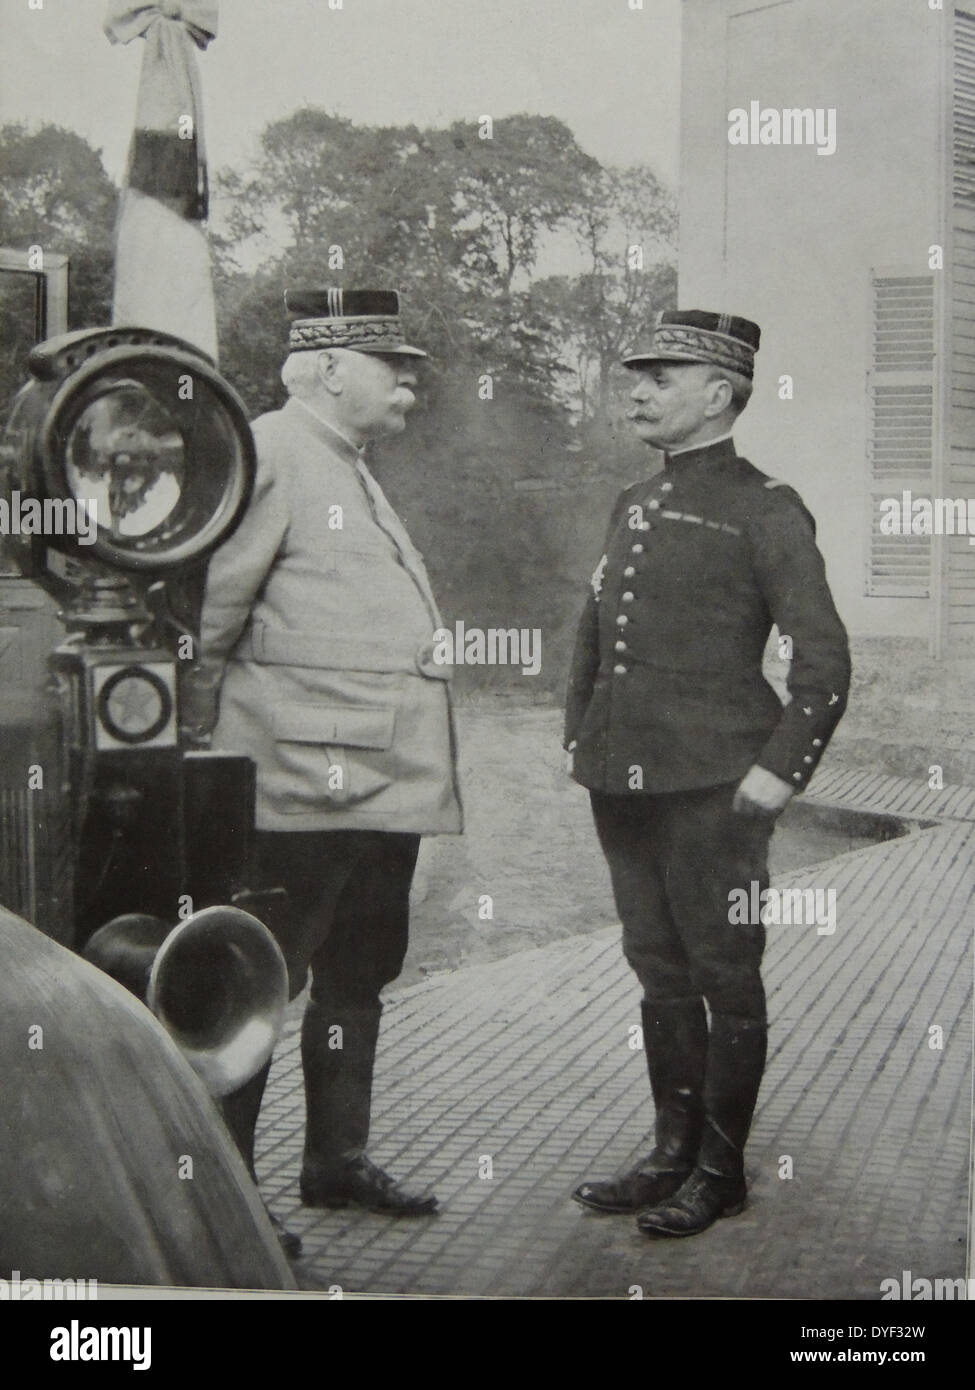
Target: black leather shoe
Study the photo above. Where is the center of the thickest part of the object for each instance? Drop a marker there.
(703, 1198)
(289, 1241)
(643, 1186)
(360, 1183)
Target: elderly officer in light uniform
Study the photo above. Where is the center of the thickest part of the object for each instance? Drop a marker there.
(317, 635)
(688, 753)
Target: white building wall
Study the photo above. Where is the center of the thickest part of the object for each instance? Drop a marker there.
(788, 237)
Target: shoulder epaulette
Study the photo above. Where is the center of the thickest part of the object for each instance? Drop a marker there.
(776, 482)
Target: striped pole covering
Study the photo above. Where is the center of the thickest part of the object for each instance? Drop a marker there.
(162, 260)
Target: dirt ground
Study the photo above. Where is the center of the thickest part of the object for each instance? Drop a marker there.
(530, 846)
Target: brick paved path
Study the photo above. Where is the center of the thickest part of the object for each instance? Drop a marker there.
(898, 796)
(526, 1062)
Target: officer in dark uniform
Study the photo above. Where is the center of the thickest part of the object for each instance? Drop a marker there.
(688, 753)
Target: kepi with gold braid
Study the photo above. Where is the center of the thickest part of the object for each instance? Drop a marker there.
(361, 320)
(697, 335)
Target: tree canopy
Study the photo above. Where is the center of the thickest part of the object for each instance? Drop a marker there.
(460, 219)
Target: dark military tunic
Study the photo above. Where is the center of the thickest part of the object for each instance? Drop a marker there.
(700, 561)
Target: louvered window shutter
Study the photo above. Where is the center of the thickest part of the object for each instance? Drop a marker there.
(962, 433)
(963, 121)
(900, 566)
(901, 425)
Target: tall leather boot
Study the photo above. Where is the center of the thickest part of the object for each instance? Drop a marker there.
(336, 1171)
(736, 1061)
(675, 1039)
(240, 1111)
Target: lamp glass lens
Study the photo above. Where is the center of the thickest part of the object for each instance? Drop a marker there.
(125, 461)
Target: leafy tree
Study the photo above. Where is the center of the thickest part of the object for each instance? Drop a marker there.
(456, 219)
(55, 194)
(626, 229)
(516, 185)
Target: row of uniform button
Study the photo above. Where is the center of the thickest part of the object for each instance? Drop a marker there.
(816, 743)
(621, 620)
(628, 596)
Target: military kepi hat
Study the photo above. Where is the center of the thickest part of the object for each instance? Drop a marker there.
(695, 335)
(363, 320)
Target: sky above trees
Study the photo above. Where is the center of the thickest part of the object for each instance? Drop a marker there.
(609, 72)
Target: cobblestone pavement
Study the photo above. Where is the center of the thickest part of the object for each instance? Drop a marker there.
(504, 1083)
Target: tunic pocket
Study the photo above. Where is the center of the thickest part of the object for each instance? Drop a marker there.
(334, 756)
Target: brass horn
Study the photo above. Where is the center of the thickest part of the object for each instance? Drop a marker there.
(217, 982)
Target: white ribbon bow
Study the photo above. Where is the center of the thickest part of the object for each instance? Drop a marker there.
(125, 21)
